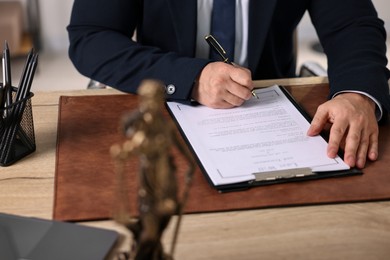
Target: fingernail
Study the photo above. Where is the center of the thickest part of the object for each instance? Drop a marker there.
(360, 163)
(351, 161)
(332, 153)
(373, 156)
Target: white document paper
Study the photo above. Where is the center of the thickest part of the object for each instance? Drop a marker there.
(263, 135)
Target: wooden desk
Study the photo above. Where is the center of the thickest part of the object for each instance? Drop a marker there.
(356, 230)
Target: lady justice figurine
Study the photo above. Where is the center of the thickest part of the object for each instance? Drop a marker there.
(151, 137)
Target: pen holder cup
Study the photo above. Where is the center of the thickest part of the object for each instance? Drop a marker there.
(17, 138)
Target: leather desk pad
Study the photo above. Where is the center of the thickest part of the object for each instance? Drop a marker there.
(85, 174)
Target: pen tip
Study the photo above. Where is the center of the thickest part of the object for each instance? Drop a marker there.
(6, 44)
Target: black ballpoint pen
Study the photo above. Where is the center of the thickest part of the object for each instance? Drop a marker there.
(2, 105)
(24, 76)
(7, 84)
(214, 44)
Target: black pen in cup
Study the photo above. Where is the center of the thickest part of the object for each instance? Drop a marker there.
(7, 82)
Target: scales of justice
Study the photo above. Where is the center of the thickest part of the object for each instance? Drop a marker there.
(151, 138)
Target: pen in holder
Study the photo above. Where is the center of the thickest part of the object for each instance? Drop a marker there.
(16, 130)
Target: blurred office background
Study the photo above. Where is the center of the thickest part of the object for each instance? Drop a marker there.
(44, 22)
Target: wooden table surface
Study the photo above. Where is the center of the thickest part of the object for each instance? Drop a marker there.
(353, 230)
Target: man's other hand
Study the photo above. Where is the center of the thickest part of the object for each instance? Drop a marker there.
(354, 127)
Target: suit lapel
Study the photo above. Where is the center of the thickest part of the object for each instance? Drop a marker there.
(260, 16)
(183, 13)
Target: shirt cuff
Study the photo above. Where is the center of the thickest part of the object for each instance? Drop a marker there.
(378, 107)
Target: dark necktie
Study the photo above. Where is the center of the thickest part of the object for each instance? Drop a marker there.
(223, 25)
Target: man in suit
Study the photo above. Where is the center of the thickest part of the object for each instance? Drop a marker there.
(168, 48)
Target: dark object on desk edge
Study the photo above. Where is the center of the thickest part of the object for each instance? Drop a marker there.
(33, 238)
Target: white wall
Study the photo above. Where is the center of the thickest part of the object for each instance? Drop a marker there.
(383, 8)
(55, 15)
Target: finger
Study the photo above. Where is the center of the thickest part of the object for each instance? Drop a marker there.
(241, 92)
(224, 105)
(337, 132)
(218, 104)
(361, 155)
(319, 121)
(211, 97)
(355, 146)
(233, 99)
(373, 147)
(242, 76)
(368, 148)
(222, 98)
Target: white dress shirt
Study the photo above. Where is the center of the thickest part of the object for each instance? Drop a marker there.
(241, 34)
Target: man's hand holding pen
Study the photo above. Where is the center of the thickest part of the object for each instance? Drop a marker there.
(221, 85)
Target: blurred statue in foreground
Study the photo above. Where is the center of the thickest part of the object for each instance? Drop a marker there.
(151, 137)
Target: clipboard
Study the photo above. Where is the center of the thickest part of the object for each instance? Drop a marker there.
(265, 177)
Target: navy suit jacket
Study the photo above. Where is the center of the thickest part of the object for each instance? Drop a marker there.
(101, 45)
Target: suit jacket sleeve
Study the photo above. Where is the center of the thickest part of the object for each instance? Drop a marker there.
(353, 38)
(101, 48)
